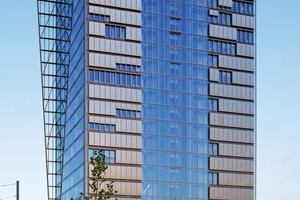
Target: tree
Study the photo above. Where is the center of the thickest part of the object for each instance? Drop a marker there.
(98, 180)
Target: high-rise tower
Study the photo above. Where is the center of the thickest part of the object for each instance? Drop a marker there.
(165, 88)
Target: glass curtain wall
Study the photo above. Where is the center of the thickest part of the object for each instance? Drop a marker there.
(174, 104)
(54, 19)
(73, 171)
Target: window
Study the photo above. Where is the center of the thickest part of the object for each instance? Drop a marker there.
(96, 76)
(117, 32)
(98, 17)
(107, 31)
(114, 78)
(213, 104)
(245, 36)
(133, 80)
(102, 127)
(237, 6)
(101, 78)
(122, 33)
(175, 54)
(174, 84)
(174, 116)
(91, 75)
(123, 113)
(175, 39)
(175, 69)
(213, 149)
(128, 113)
(109, 154)
(122, 79)
(242, 7)
(212, 60)
(175, 24)
(175, 9)
(107, 77)
(223, 18)
(212, 3)
(174, 129)
(225, 77)
(221, 47)
(212, 178)
(174, 143)
(112, 31)
(175, 174)
(174, 100)
(175, 190)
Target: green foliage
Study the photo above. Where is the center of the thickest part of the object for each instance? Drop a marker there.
(98, 174)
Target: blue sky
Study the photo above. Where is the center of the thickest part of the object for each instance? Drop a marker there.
(21, 129)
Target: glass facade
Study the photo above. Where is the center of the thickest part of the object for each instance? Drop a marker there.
(54, 31)
(174, 104)
(164, 88)
(73, 171)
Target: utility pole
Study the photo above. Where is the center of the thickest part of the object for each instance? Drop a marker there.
(18, 194)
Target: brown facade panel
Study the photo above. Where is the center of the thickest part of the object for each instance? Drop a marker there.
(235, 106)
(243, 21)
(125, 188)
(229, 120)
(110, 61)
(128, 4)
(122, 125)
(236, 63)
(231, 193)
(106, 101)
(242, 78)
(213, 74)
(109, 108)
(118, 16)
(116, 172)
(236, 150)
(128, 157)
(222, 32)
(231, 135)
(225, 3)
(231, 164)
(246, 180)
(115, 140)
(231, 91)
(114, 46)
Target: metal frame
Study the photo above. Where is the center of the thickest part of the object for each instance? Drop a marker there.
(54, 18)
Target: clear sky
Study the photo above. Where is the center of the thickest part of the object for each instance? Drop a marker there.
(22, 143)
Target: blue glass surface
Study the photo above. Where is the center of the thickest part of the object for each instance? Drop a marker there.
(73, 172)
(174, 99)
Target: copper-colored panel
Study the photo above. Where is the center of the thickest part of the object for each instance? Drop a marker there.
(231, 193)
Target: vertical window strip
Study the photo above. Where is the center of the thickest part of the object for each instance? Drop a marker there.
(126, 67)
(128, 113)
(225, 77)
(223, 18)
(102, 127)
(221, 47)
(114, 78)
(98, 17)
(212, 178)
(245, 36)
(116, 32)
(213, 104)
(109, 154)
